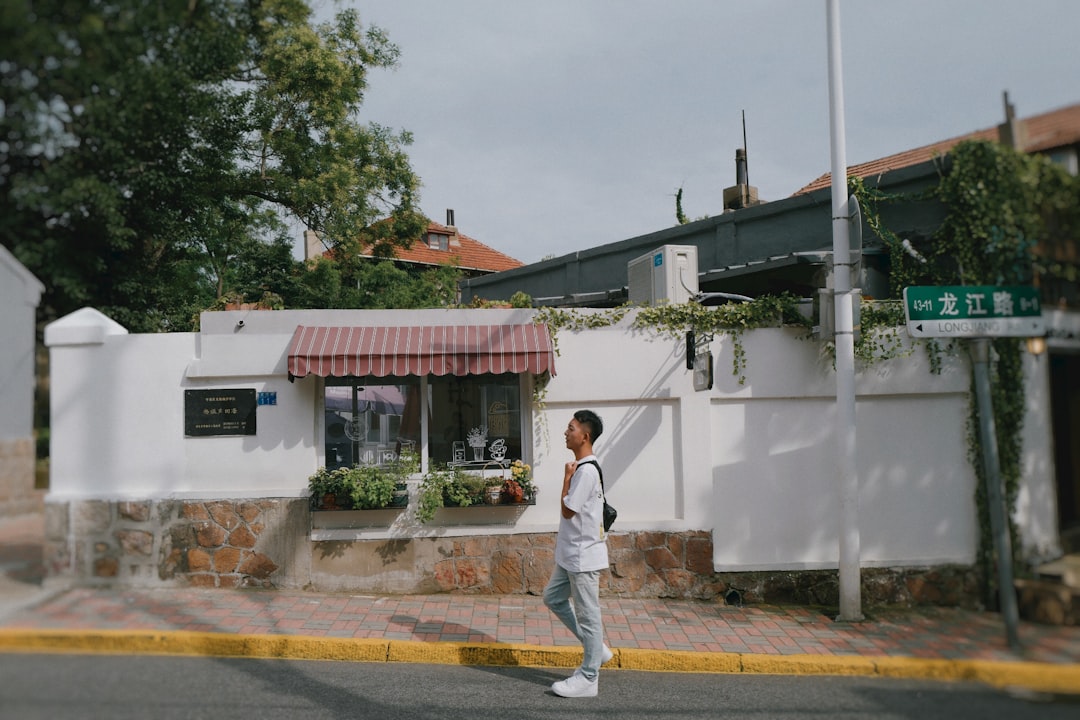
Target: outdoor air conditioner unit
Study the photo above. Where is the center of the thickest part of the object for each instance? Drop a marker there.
(667, 274)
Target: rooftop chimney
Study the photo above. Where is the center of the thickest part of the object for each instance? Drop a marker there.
(741, 194)
(1011, 132)
(450, 218)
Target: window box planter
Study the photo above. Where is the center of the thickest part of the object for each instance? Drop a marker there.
(365, 487)
(455, 488)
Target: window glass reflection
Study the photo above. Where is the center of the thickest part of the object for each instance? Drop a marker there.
(471, 420)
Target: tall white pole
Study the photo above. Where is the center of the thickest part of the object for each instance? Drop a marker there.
(848, 481)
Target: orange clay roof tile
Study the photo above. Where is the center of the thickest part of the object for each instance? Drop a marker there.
(470, 254)
(1053, 129)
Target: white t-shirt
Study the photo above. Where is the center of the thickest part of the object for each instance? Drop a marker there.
(581, 544)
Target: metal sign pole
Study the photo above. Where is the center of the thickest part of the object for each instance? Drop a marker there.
(980, 355)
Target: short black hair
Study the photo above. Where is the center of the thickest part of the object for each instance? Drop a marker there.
(592, 423)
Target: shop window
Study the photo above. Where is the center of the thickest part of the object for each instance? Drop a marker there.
(471, 419)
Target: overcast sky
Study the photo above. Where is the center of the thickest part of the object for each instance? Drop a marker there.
(553, 126)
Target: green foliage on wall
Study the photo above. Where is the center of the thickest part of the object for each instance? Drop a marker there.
(1008, 216)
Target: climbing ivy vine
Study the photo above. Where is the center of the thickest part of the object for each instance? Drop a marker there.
(1006, 212)
(674, 320)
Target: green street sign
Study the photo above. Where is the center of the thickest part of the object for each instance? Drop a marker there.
(973, 311)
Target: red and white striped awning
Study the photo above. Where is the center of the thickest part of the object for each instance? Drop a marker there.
(428, 350)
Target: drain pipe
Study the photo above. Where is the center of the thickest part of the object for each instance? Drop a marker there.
(847, 479)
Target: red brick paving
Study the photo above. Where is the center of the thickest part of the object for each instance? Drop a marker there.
(652, 624)
(943, 633)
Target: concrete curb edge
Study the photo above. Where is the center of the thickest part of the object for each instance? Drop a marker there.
(1042, 677)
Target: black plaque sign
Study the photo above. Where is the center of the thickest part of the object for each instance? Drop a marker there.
(219, 412)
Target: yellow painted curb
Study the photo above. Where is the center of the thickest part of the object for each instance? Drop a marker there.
(158, 642)
(1042, 677)
(807, 664)
(676, 661)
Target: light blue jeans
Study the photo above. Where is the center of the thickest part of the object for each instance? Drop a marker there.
(583, 617)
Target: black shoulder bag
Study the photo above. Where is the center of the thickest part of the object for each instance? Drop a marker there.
(609, 512)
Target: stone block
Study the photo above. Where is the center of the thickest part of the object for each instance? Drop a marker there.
(135, 542)
(241, 537)
(224, 514)
(679, 583)
(182, 536)
(699, 551)
(137, 511)
(473, 547)
(543, 540)
(208, 534)
(646, 540)
(515, 543)
(249, 511)
(175, 562)
(203, 580)
(445, 576)
(194, 511)
(198, 560)
(472, 573)
(621, 541)
(628, 572)
(506, 573)
(1048, 601)
(677, 546)
(660, 558)
(257, 565)
(90, 517)
(226, 559)
(106, 567)
(537, 565)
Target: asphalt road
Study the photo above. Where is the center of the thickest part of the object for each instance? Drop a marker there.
(114, 687)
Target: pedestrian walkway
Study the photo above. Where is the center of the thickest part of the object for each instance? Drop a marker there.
(646, 634)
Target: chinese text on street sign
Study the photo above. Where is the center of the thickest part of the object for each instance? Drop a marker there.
(973, 311)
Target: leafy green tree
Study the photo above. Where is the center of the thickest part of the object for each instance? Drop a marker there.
(144, 146)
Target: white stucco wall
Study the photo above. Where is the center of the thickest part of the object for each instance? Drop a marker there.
(20, 293)
(754, 463)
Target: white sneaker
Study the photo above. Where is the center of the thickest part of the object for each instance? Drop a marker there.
(576, 686)
(605, 656)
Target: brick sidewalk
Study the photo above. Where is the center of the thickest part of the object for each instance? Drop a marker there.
(653, 634)
(663, 625)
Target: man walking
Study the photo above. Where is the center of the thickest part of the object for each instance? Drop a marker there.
(580, 555)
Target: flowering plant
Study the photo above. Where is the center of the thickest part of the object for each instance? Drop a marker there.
(521, 473)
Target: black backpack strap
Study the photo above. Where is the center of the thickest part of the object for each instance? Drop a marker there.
(598, 470)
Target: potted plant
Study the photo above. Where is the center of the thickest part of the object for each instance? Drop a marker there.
(464, 489)
(330, 489)
(519, 487)
(371, 487)
(367, 487)
(449, 487)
